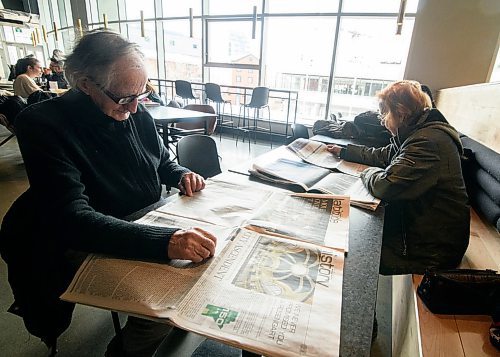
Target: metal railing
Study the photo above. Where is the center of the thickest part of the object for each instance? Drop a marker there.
(282, 103)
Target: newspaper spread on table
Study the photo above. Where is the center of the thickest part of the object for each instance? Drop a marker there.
(315, 152)
(262, 291)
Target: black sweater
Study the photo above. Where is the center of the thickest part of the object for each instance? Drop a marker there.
(86, 172)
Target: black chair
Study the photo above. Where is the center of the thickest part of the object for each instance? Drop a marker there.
(299, 131)
(258, 101)
(199, 154)
(213, 94)
(184, 90)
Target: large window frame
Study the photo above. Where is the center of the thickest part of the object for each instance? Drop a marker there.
(261, 17)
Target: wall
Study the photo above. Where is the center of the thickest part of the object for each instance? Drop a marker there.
(474, 110)
(454, 42)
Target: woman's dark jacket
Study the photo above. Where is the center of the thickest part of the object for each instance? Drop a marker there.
(419, 175)
(86, 172)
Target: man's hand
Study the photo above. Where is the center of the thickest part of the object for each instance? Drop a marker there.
(334, 149)
(193, 244)
(190, 183)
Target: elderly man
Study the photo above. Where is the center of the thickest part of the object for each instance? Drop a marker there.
(92, 156)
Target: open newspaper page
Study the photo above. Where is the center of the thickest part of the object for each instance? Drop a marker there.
(299, 173)
(315, 152)
(222, 203)
(269, 295)
(142, 288)
(327, 224)
(343, 184)
(263, 293)
(273, 212)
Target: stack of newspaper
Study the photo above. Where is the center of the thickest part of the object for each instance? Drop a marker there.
(310, 170)
(273, 287)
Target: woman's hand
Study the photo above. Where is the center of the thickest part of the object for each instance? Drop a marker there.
(193, 244)
(191, 183)
(334, 149)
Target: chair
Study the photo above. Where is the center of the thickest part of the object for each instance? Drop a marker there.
(179, 130)
(199, 127)
(299, 131)
(213, 93)
(199, 154)
(258, 101)
(184, 90)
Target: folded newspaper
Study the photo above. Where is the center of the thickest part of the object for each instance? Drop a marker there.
(316, 153)
(300, 176)
(273, 287)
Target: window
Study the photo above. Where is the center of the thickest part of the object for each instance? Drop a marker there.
(369, 55)
(297, 39)
(147, 44)
(182, 53)
(290, 52)
(231, 43)
(495, 74)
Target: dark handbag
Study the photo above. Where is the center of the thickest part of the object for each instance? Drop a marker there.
(460, 291)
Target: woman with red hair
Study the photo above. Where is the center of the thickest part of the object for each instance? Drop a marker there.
(419, 176)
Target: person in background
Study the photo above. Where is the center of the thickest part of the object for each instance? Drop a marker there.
(26, 70)
(153, 94)
(55, 73)
(419, 175)
(93, 157)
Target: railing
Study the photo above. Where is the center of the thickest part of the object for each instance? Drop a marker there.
(282, 103)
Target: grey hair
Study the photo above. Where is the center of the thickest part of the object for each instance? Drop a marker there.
(95, 55)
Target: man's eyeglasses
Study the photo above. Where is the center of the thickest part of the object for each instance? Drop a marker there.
(122, 100)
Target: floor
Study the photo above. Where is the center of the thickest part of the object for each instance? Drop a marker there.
(91, 328)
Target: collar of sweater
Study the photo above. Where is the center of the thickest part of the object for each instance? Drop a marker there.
(78, 101)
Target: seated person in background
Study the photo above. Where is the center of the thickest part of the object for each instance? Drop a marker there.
(153, 94)
(55, 73)
(419, 175)
(26, 69)
(93, 156)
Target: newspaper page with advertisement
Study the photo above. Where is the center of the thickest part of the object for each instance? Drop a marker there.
(315, 152)
(263, 293)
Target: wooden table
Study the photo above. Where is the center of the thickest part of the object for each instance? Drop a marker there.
(165, 116)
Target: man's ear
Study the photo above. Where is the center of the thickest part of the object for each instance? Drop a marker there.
(84, 85)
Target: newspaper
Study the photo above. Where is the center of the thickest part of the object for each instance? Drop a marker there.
(274, 285)
(316, 153)
(233, 205)
(262, 293)
(302, 176)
